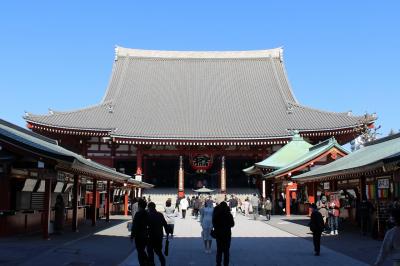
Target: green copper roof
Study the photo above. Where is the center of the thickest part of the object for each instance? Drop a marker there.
(292, 151)
(312, 153)
(373, 153)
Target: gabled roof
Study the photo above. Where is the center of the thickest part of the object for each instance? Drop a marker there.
(252, 170)
(181, 95)
(366, 158)
(292, 151)
(25, 139)
(313, 153)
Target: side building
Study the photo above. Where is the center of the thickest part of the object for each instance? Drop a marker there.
(184, 119)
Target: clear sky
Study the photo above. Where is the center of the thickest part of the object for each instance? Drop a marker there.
(340, 56)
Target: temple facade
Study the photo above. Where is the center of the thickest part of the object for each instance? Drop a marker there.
(192, 119)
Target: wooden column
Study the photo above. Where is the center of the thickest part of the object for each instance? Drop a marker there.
(75, 195)
(363, 186)
(287, 200)
(108, 194)
(126, 203)
(46, 209)
(94, 202)
(181, 178)
(264, 194)
(139, 158)
(223, 175)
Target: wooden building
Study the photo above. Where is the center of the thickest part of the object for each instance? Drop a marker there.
(34, 170)
(193, 119)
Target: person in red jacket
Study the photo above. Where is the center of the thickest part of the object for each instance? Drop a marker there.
(334, 212)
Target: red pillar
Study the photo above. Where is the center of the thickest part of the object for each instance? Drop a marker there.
(75, 195)
(94, 203)
(223, 175)
(181, 179)
(287, 200)
(108, 201)
(126, 203)
(139, 158)
(46, 211)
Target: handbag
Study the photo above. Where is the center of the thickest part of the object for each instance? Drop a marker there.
(129, 226)
(213, 234)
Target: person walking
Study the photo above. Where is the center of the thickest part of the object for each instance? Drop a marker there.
(169, 215)
(196, 207)
(206, 215)
(391, 242)
(334, 212)
(134, 207)
(233, 203)
(322, 207)
(255, 201)
(156, 225)
(139, 233)
(246, 206)
(317, 227)
(184, 204)
(268, 209)
(366, 210)
(223, 222)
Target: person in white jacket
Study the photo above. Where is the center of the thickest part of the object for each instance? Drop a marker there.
(184, 204)
(391, 243)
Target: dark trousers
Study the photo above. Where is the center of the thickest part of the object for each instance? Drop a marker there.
(155, 246)
(183, 214)
(268, 214)
(223, 246)
(140, 248)
(317, 241)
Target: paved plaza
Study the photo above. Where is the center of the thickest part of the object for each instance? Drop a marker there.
(253, 243)
(280, 241)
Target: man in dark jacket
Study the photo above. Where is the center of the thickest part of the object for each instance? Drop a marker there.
(223, 222)
(317, 227)
(140, 232)
(156, 224)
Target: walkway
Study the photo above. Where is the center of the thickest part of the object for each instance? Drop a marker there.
(254, 243)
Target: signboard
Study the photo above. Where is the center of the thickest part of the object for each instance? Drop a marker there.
(100, 187)
(326, 185)
(383, 183)
(201, 161)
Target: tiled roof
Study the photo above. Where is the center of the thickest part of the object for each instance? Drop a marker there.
(198, 96)
(313, 152)
(49, 148)
(370, 155)
(292, 151)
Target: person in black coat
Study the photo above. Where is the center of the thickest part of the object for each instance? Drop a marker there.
(156, 224)
(222, 223)
(317, 227)
(140, 232)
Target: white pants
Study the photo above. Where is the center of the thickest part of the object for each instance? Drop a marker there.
(233, 211)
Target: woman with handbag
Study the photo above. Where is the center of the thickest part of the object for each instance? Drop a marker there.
(169, 215)
(206, 215)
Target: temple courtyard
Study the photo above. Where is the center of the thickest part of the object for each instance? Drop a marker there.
(281, 241)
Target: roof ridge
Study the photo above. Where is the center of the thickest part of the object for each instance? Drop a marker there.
(28, 132)
(123, 52)
(384, 139)
(28, 115)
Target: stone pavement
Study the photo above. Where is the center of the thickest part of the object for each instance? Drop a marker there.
(253, 243)
(105, 244)
(350, 241)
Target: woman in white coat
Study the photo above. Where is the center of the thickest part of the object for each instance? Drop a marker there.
(206, 215)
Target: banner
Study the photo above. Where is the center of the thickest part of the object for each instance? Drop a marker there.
(201, 161)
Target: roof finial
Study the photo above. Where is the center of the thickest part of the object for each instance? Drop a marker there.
(51, 111)
(116, 52)
(27, 114)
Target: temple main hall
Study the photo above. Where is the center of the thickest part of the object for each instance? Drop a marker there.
(186, 120)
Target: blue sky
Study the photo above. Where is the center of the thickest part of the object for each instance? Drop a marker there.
(340, 56)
